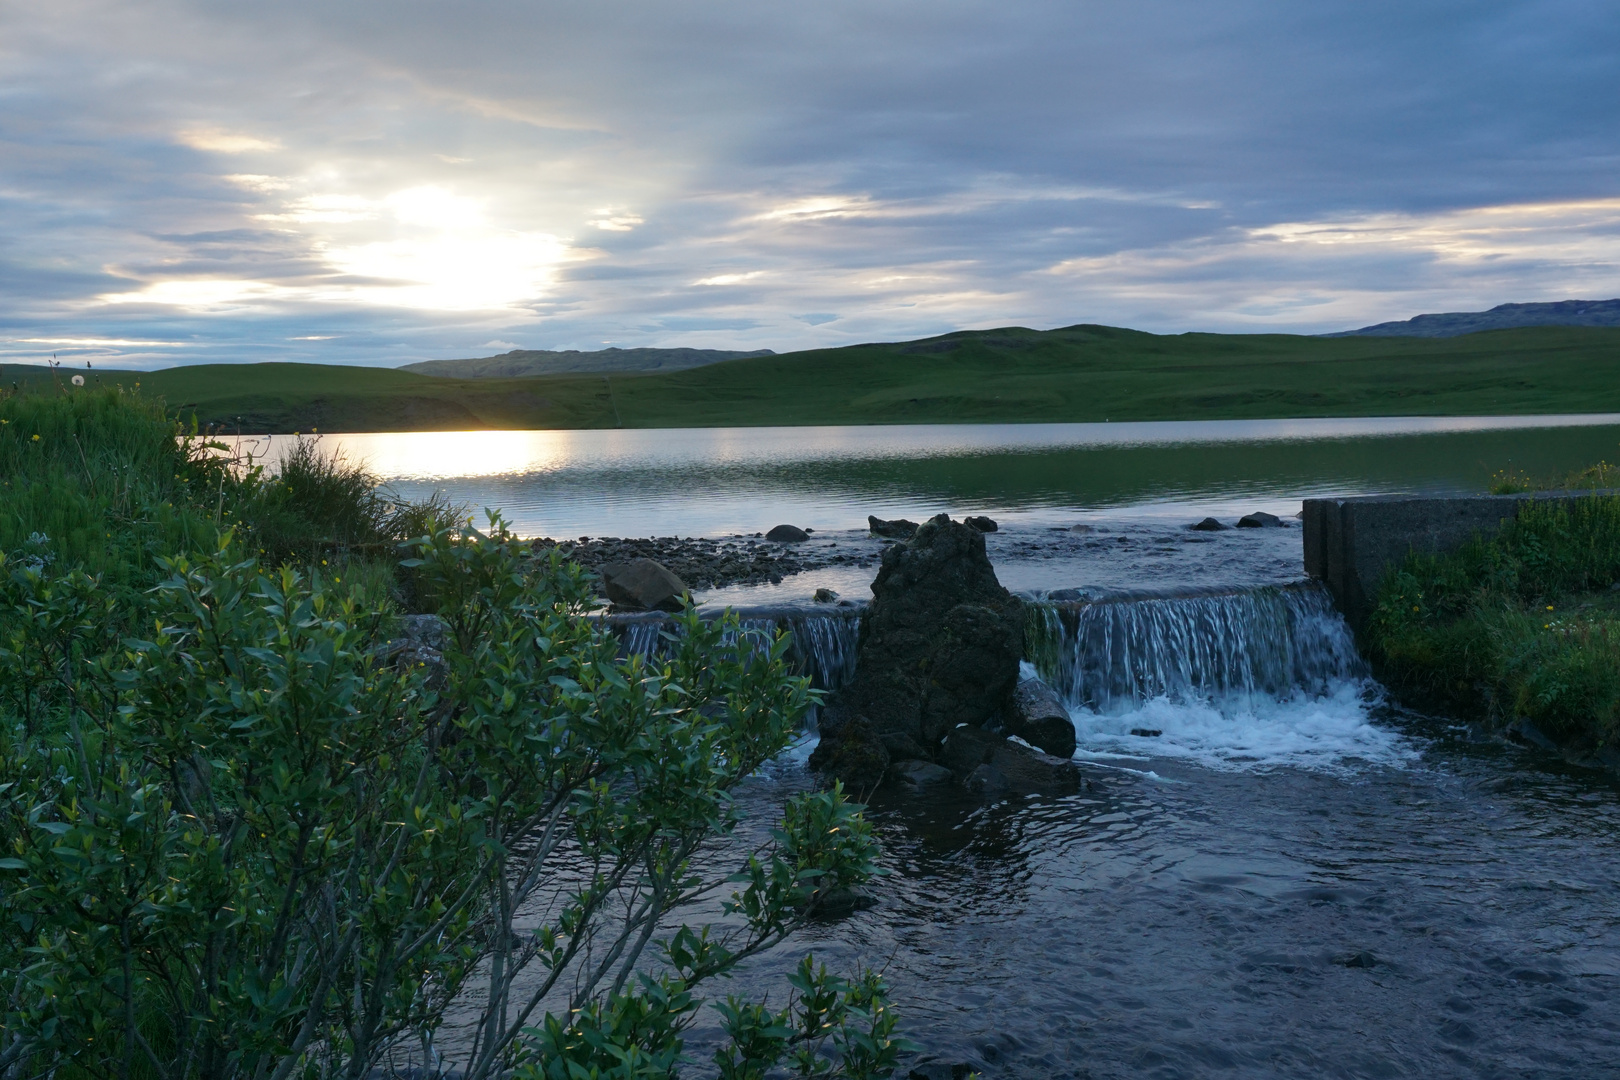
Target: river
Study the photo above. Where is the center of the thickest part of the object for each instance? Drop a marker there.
(1295, 877)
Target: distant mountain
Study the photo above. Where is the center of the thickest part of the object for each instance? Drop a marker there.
(522, 362)
(1500, 317)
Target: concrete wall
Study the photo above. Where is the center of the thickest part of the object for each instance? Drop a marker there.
(1349, 543)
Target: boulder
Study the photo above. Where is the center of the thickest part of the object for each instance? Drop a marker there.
(1260, 520)
(1040, 718)
(826, 596)
(939, 646)
(983, 524)
(994, 765)
(787, 534)
(642, 585)
(921, 775)
(849, 750)
(1209, 524)
(898, 529)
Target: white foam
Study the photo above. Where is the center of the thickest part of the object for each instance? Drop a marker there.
(1329, 731)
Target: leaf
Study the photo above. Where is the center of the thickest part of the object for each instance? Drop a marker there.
(13, 864)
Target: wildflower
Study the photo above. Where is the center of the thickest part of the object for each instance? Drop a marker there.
(36, 438)
(1549, 607)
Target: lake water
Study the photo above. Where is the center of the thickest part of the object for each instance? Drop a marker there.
(1294, 878)
(717, 481)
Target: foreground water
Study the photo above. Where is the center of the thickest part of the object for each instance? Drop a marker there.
(1275, 873)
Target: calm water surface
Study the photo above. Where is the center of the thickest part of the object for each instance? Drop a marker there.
(715, 481)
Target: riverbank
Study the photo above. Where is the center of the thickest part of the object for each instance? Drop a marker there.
(1009, 375)
(1519, 631)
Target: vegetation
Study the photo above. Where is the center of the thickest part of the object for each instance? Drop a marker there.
(1079, 373)
(244, 833)
(1522, 626)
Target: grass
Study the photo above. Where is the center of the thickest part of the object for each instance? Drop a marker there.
(1523, 626)
(1079, 373)
(101, 478)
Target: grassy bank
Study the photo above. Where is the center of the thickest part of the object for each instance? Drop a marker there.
(1081, 373)
(102, 479)
(1521, 630)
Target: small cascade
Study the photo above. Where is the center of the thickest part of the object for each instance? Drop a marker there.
(1115, 653)
(824, 642)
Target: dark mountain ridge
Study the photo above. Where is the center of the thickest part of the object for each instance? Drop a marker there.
(524, 362)
(1500, 317)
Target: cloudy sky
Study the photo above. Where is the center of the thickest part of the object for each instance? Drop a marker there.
(365, 182)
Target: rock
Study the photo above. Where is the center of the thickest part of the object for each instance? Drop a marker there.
(898, 529)
(1209, 524)
(642, 585)
(1082, 528)
(841, 902)
(849, 750)
(920, 774)
(940, 645)
(983, 524)
(1039, 717)
(787, 534)
(421, 647)
(825, 596)
(941, 1070)
(992, 764)
(1146, 732)
(1260, 520)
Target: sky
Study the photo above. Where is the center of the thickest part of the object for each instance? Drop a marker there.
(347, 181)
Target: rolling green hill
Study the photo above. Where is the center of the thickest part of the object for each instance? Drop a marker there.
(1078, 373)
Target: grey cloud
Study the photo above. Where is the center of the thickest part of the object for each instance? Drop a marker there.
(991, 143)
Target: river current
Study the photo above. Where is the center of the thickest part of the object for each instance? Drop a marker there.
(1276, 871)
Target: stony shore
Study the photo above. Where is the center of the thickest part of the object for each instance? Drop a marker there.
(704, 563)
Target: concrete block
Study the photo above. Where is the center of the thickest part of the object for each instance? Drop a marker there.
(1350, 543)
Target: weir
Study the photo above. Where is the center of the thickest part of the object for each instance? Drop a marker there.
(1112, 653)
(824, 642)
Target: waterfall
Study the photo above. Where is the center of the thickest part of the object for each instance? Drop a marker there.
(824, 642)
(1111, 654)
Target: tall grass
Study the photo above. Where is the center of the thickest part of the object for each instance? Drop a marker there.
(104, 480)
(1522, 625)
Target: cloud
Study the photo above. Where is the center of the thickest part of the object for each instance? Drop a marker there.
(355, 183)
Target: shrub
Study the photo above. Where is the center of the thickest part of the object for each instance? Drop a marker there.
(247, 843)
(1500, 628)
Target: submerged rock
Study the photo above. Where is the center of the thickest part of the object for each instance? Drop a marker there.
(921, 774)
(849, 750)
(995, 765)
(1209, 524)
(1040, 718)
(940, 645)
(642, 585)
(825, 596)
(787, 534)
(983, 524)
(1260, 520)
(898, 529)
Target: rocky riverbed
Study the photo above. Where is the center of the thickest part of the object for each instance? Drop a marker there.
(705, 563)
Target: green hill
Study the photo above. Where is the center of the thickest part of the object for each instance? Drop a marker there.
(523, 363)
(1078, 373)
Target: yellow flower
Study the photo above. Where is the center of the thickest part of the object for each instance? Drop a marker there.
(1549, 607)
(36, 438)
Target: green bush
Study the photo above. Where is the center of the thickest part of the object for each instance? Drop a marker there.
(248, 842)
(1520, 625)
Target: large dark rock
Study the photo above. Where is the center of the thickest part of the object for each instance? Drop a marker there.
(1039, 717)
(787, 534)
(983, 524)
(1260, 520)
(898, 529)
(1209, 524)
(994, 765)
(940, 645)
(849, 750)
(642, 585)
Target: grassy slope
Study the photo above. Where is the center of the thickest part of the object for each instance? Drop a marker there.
(1075, 374)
